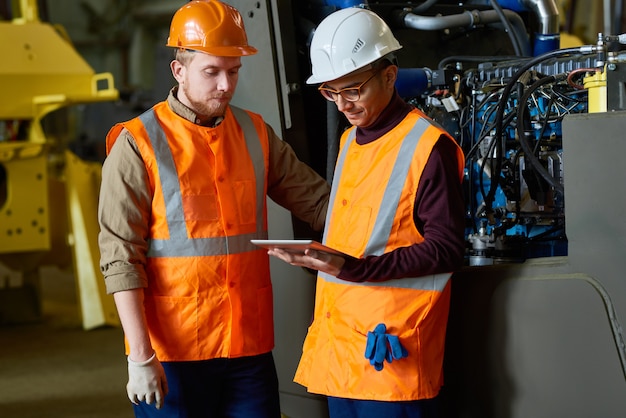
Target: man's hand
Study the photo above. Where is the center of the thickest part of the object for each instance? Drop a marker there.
(312, 259)
(146, 381)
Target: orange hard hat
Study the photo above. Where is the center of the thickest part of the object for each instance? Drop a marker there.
(210, 26)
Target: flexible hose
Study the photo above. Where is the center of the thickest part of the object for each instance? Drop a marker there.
(502, 104)
(507, 28)
(528, 152)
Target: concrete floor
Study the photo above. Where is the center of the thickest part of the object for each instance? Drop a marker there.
(52, 368)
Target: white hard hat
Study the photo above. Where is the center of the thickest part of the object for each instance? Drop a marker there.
(347, 40)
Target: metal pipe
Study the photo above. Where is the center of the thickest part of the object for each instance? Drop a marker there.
(465, 19)
(606, 16)
(548, 14)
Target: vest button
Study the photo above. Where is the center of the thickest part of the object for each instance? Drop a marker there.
(344, 202)
(327, 314)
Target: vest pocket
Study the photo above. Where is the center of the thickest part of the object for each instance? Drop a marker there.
(201, 207)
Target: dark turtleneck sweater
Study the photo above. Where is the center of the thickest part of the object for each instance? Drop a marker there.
(438, 215)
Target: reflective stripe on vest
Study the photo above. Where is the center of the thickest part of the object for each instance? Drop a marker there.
(179, 244)
(387, 211)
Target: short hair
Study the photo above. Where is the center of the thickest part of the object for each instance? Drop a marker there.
(387, 60)
(184, 56)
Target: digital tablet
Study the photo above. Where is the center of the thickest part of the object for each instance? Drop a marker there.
(295, 245)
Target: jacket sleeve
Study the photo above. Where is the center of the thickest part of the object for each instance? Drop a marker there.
(296, 186)
(123, 214)
(439, 216)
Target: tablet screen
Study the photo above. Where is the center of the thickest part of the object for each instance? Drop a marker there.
(297, 245)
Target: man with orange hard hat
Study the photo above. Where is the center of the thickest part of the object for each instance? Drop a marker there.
(183, 192)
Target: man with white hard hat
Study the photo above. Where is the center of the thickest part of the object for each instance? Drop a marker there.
(376, 344)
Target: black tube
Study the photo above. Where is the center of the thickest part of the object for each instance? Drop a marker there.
(425, 6)
(528, 152)
(507, 27)
(500, 112)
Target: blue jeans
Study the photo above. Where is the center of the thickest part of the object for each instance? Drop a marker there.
(354, 408)
(244, 387)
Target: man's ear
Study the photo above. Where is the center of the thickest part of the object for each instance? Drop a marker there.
(390, 74)
(178, 70)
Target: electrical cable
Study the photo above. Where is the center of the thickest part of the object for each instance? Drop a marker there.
(530, 155)
(425, 6)
(508, 28)
(504, 100)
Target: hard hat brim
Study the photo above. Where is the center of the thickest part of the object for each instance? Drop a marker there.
(226, 51)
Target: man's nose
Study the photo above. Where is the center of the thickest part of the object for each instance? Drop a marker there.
(225, 82)
(343, 104)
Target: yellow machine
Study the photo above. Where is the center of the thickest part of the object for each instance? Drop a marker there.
(41, 181)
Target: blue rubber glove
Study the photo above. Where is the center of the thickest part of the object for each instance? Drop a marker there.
(397, 350)
(381, 346)
(370, 345)
(376, 346)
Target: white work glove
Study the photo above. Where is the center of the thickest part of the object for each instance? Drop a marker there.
(146, 381)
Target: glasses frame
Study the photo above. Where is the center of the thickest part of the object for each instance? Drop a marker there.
(334, 94)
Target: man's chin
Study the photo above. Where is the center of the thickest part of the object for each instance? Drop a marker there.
(217, 108)
(355, 121)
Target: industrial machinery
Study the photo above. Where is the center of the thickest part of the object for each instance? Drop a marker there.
(48, 195)
(535, 322)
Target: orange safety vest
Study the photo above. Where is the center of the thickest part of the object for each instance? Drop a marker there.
(209, 292)
(373, 198)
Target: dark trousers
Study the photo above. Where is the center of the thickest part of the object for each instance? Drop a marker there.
(353, 408)
(244, 387)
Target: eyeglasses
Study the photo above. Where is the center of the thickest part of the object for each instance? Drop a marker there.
(351, 94)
